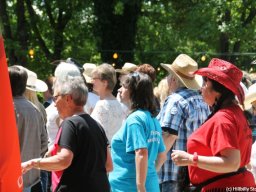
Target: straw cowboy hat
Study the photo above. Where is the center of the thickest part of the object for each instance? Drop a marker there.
(183, 67)
(127, 68)
(33, 83)
(226, 74)
(250, 96)
(88, 68)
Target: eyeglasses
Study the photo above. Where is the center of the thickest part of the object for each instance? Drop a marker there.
(54, 98)
(94, 78)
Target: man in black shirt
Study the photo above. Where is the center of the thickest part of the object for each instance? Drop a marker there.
(80, 158)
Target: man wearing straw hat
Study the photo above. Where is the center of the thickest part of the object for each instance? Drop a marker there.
(182, 112)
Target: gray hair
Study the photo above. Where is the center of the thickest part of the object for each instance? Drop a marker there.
(179, 83)
(106, 72)
(75, 86)
(66, 69)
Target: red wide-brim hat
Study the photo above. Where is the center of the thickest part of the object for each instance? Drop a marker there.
(226, 74)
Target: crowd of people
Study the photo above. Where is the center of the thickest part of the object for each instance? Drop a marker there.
(191, 132)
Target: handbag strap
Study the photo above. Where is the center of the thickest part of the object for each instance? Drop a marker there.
(211, 180)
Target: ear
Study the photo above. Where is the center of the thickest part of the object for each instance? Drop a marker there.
(217, 96)
(105, 83)
(69, 98)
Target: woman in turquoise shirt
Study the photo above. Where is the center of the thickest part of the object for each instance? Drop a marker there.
(137, 148)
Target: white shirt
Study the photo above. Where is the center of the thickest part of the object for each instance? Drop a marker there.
(110, 114)
(91, 102)
(253, 160)
(51, 124)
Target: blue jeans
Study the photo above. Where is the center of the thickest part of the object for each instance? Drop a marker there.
(33, 188)
(45, 177)
(169, 186)
(27, 189)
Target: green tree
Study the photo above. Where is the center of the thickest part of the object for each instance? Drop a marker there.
(225, 27)
(15, 30)
(139, 31)
(115, 28)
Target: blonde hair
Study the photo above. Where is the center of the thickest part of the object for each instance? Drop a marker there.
(32, 97)
(162, 91)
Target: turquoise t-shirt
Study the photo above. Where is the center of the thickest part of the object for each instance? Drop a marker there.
(140, 130)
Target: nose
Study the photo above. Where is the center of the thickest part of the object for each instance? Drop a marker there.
(55, 104)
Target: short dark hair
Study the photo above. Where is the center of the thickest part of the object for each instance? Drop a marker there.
(18, 80)
(226, 95)
(141, 92)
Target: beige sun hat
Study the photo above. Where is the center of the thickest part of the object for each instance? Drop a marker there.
(33, 83)
(127, 68)
(88, 68)
(183, 67)
(250, 96)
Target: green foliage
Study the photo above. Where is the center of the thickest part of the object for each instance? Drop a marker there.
(40, 97)
(149, 31)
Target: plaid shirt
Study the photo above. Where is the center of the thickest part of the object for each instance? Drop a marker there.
(183, 111)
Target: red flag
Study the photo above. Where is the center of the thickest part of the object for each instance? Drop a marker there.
(10, 163)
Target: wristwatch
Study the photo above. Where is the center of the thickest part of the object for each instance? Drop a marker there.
(195, 159)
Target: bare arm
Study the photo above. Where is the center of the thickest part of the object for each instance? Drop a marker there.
(228, 161)
(60, 161)
(161, 158)
(169, 140)
(109, 163)
(141, 161)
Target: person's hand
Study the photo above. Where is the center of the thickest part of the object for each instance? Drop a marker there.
(26, 166)
(181, 158)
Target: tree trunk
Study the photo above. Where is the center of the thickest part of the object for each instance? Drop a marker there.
(224, 38)
(33, 23)
(22, 32)
(224, 46)
(116, 32)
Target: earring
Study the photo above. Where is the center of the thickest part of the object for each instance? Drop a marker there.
(216, 101)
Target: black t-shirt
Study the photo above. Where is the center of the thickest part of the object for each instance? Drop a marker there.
(87, 140)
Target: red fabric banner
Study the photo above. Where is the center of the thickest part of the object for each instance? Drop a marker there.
(10, 163)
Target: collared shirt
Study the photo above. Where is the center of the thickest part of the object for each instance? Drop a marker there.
(32, 135)
(183, 112)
